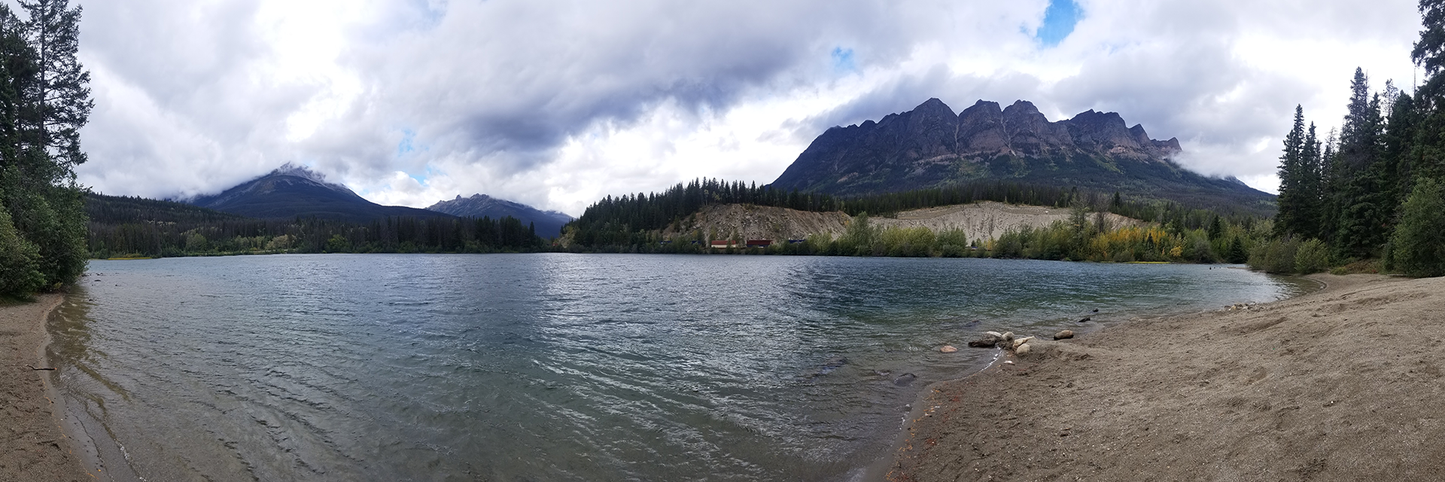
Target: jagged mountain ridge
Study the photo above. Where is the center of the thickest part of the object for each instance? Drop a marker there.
(931, 146)
(548, 224)
(293, 191)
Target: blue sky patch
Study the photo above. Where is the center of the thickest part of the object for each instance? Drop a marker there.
(1059, 21)
(843, 61)
(407, 144)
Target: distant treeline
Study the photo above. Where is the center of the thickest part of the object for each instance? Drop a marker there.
(635, 223)
(127, 227)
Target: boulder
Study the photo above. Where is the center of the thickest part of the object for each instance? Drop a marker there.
(989, 340)
(1022, 349)
(1064, 335)
(948, 349)
(1021, 341)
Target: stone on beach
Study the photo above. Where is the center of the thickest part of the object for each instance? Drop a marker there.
(989, 340)
(1064, 335)
(948, 349)
(1022, 349)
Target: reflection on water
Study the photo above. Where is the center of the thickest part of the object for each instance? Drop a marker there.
(552, 367)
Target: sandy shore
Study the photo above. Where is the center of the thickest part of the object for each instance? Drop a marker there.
(33, 446)
(1340, 384)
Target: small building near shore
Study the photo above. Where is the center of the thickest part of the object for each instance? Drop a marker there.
(723, 244)
(759, 243)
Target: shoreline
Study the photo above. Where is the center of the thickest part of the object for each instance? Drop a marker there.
(1338, 383)
(35, 447)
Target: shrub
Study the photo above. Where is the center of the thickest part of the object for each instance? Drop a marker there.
(19, 261)
(1418, 242)
(1312, 257)
(1276, 256)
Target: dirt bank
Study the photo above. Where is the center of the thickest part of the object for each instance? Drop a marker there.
(1340, 384)
(33, 447)
(981, 221)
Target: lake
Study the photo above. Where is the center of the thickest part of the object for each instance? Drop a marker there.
(554, 366)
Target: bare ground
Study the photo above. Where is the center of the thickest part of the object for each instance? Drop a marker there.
(984, 220)
(1341, 384)
(33, 446)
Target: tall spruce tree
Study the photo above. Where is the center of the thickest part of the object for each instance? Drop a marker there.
(1427, 155)
(1292, 196)
(1311, 186)
(62, 93)
(1361, 228)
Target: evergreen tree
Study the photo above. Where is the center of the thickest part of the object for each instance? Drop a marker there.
(1311, 186)
(62, 94)
(43, 104)
(1361, 215)
(1292, 178)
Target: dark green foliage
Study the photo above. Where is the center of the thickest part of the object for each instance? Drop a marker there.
(1293, 180)
(1429, 51)
(1275, 256)
(19, 261)
(122, 226)
(1236, 253)
(1313, 256)
(43, 104)
(1391, 144)
(1418, 243)
(62, 92)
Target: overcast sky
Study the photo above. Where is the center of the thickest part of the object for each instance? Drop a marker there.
(559, 103)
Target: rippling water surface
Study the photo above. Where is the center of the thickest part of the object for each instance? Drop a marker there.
(553, 366)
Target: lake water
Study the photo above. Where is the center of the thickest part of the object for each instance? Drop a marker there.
(553, 366)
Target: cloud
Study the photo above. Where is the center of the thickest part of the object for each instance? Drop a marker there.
(559, 103)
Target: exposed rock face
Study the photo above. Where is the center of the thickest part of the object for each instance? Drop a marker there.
(930, 146)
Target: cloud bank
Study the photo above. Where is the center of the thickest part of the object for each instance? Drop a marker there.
(558, 103)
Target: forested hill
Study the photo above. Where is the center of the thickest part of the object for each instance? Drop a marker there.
(636, 222)
(124, 226)
(104, 209)
(930, 146)
(292, 191)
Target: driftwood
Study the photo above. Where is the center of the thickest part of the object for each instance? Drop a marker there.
(41, 368)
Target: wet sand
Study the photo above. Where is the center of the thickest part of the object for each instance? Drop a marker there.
(1344, 383)
(33, 446)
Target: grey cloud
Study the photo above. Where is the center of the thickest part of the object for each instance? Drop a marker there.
(522, 77)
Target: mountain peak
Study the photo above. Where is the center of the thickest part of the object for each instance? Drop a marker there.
(292, 191)
(927, 147)
(548, 223)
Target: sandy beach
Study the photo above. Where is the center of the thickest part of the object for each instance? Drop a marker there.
(1340, 384)
(33, 446)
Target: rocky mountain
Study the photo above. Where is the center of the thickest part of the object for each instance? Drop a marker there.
(293, 191)
(931, 146)
(547, 223)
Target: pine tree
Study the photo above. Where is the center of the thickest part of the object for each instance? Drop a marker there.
(43, 104)
(1311, 186)
(1360, 229)
(1292, 198)
(62, 93)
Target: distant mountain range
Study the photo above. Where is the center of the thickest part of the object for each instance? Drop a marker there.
(931, 146)
(547, 223)
(293, 191)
